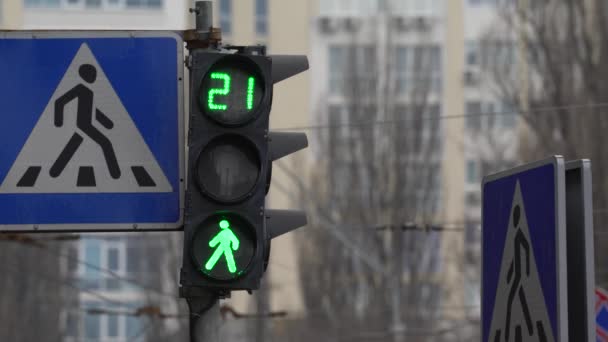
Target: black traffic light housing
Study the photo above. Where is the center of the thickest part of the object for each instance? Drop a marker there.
(229, 167)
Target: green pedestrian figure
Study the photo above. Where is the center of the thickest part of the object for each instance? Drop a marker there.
(226, 242)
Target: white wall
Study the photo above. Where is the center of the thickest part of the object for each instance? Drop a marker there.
(173, 15)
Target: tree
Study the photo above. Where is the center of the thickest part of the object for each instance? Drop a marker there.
(375, 186)
(33, 294)
(564, 55)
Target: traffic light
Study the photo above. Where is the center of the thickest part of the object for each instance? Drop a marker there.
(227, 228)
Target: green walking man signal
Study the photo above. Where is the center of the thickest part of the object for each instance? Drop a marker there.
(226, 242)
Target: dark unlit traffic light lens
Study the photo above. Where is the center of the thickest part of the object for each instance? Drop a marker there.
(228, 168)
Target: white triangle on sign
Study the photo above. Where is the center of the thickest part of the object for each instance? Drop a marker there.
(520, 312)
(102, 139)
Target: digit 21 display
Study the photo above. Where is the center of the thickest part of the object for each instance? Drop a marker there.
(231, 92)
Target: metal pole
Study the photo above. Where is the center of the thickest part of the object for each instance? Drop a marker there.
(204, 317)
(204, 15)
(262, 310)
(203, 304)
(204, 35)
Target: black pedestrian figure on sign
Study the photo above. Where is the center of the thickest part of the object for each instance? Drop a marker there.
(84, 121)
(514, 277)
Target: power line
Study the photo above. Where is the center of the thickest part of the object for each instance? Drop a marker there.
(151, 311)
(539, 110)
(66, 283)
(408, 332)
(29, 241)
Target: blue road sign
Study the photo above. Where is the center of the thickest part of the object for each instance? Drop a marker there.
(524, 285)
(92, 131)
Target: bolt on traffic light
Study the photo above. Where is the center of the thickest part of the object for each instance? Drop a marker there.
(228, 229)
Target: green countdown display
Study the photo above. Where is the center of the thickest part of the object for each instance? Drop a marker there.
(225, 90)
(231, 92)
(223, 247)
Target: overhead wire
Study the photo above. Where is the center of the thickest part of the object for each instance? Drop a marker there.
(66, 282)
(538, 110)
(35, 242)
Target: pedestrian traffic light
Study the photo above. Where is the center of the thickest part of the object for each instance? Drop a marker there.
(227, 228)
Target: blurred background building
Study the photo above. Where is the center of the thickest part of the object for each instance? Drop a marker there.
(117, 274)
(391, 181)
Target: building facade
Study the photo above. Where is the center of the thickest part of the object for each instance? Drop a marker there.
(242, 22)
(408, 47)
(436, 32)
(491, 122)
(115, 275)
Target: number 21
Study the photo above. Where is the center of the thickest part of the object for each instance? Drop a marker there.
(225, 90)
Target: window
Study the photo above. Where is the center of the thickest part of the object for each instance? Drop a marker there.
(496, 54)
(348, 7)
(97, 4)
(106, 327)
(418, 68)
(261, 17)
(509, 116)
(472, 176)
(351, 65)
(490, 115)
(337, 56)
(92, 3)
(92, 256)
(133, 260)
(112, 326)
(42, 3)
(134, 327)
(92, 326)
(113, 259)
(336, 138)
(472, 53)
(103, 254)
(490, 2)
(144, 3)
(226, 16)
(473, 115)
(417, 7)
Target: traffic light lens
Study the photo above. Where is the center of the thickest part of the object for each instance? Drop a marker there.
(231, 92)
(223, 250)
(228, 169)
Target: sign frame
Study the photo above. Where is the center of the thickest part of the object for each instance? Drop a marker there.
(581, 263)
(132, 225)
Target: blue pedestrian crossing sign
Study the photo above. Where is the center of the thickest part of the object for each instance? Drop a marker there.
(524, 282)
(92, 131)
